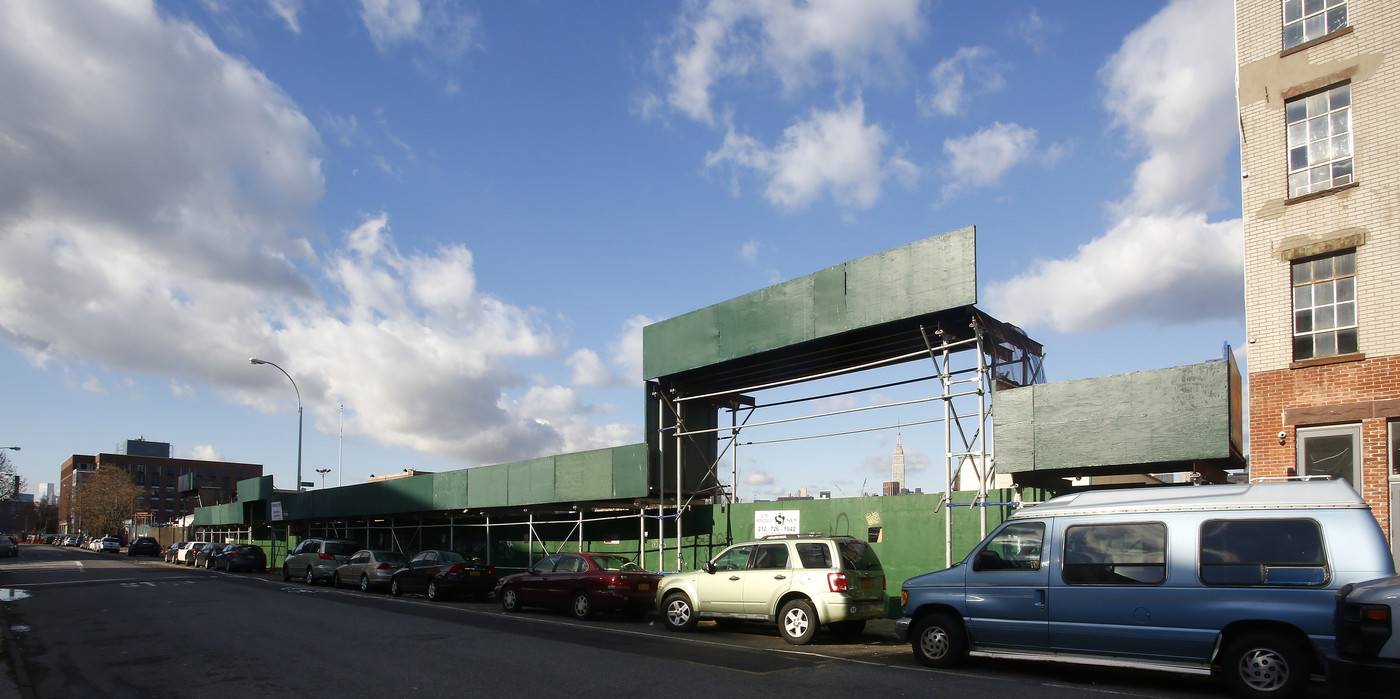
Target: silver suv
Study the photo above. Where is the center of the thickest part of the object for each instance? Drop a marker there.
(798, 581)
(317, 559)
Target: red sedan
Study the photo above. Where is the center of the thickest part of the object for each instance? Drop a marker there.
(582, 583)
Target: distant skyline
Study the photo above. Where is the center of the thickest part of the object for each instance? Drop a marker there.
(454, 218)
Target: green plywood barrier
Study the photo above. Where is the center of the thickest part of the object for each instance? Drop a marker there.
(927, 276)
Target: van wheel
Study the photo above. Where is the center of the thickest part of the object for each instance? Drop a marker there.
(1265, 665)
(797, 622)
(939, 641)
(677, 613)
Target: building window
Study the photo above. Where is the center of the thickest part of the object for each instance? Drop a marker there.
(1324, 306)
(1394, 428)
(1331, 451)
(1305, 20)
(1319, 141)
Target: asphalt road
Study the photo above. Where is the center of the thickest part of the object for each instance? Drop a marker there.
(86, 624)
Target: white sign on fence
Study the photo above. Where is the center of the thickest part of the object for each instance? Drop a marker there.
(767, 522)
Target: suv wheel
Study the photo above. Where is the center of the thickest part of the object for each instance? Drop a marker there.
(583, 607)
(677, 613)
(797, 622)
(310, 575)
(938, 641)
(1265, 665)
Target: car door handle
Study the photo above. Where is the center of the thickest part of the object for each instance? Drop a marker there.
(1040, 598)
(733, 577)
(780, 576)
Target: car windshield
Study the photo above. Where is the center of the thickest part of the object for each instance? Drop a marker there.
(858, 555)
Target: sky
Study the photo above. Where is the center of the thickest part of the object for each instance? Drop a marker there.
(448, 222)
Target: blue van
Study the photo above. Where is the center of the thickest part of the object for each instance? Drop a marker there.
(1234, 580)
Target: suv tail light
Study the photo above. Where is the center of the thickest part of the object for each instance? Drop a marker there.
(836, 581)
(325, 556)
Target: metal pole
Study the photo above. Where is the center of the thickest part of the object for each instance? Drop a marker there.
(340, 449)
(255, 360)
(679, 551)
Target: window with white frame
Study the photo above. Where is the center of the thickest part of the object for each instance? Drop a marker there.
(1319, 141)
(1331, 451)
(1305, 20)
(1324, 306)
(1394, 428)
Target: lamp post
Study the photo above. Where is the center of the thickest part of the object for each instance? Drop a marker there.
(255, 360)
(323, 472)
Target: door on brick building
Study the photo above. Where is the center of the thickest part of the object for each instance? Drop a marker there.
(1331, 451)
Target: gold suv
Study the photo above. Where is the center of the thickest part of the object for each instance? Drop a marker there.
(798, 581)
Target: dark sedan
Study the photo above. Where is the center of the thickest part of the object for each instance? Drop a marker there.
(144, 546)
(204, 558)
(249, 557)
(440, 574)
(582, 583)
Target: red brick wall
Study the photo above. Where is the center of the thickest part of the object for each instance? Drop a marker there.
(1365, 392)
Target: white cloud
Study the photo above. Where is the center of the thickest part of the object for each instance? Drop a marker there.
(758, 478)
(951, 78)
(720, 39)
(435, 25)
(981, 159)
(202, 452)
(831, 153)
(748, 252)
(288, 11)
(588, 369)
(173, 191)
(1034, 30)
(1171, 87)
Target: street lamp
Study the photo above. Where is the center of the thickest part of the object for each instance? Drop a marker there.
(323, 472)
(255, 360)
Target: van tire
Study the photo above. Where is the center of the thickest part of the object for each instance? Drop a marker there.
(939, 641)
(1265, 665)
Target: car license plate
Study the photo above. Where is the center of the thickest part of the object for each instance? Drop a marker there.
(865, 583)
(475, 573)
(643, 586)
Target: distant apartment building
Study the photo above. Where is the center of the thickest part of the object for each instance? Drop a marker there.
(171, 487)
(1319, 101)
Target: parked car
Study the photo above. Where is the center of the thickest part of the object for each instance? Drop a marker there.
(172, 550)
(143, 546)
(317, 559)
(187, 553)
(800, 582)
(7, 547)
(439, 574)
(249, 557)
(369, 569)
(108, 543)
(582, 583)
(1238, 579)
(1367, 619)
(204, 558)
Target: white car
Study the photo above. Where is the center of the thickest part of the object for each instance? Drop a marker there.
(109, 543)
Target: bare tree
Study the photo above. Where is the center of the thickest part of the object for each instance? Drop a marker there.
(106, 499)
(10, 482)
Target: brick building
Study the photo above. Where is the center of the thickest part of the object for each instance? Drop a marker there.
(173, 487)
(1319, 98)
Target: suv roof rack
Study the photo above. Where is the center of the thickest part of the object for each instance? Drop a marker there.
(804, 535)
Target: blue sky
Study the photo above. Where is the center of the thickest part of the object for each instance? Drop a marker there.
(454, 218)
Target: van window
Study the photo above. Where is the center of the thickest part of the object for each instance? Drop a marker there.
(1116, 554)
(1017, 547)
(1263, 552)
